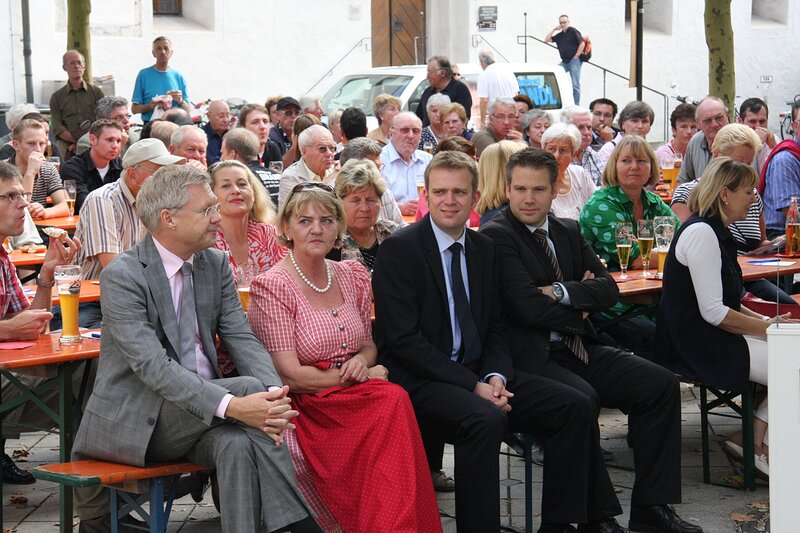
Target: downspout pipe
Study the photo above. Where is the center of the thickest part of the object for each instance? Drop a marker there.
(26, 50)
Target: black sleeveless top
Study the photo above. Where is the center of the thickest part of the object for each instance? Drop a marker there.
(685, 342)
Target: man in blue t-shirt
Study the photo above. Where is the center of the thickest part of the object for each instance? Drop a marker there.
(570, 46)
(154, 84)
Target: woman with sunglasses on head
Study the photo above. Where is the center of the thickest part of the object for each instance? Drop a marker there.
(357, 442)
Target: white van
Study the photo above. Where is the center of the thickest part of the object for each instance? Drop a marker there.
(547, 85)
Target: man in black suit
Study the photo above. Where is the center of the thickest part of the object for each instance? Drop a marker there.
(439, 329)
(550, 280)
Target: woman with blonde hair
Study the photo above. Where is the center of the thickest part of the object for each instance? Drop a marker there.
(384, 107)
(703, 332)
(492, 177)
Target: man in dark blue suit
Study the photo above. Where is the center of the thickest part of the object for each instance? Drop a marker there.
(549, 281)
(439, 329)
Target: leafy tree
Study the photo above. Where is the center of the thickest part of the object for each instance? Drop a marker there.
(78, 35)
(719, 39)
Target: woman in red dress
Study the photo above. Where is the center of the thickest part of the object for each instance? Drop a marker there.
(356, 435)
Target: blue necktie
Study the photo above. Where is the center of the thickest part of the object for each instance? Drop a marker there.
(470, 342)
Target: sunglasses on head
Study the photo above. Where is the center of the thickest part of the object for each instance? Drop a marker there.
(306, 186)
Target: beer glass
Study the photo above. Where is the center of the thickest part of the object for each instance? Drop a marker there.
(68, 281)
(645, 236)
(72, 191)
(664, 228)
(669, 171)
(244, 276)
(624, 234)
(420, 188)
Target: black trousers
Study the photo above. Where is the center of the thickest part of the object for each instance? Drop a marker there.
(576, 484)
(649, 394)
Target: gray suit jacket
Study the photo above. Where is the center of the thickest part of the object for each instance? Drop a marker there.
(139, 366)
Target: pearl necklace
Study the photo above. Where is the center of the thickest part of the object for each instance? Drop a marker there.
(308, 281)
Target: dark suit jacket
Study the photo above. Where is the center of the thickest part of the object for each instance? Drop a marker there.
(413, 319)
(529, 314)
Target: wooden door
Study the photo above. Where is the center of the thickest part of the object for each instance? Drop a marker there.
(398, 32)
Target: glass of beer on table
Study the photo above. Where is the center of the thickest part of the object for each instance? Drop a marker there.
(670, 167)
(624, 236)
(68, 282)
(71, 189)
(645, 236)
(664, 229)
(420, 187)
(244, 276)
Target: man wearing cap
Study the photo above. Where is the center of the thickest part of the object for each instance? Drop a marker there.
(109, 224)
(288, 111)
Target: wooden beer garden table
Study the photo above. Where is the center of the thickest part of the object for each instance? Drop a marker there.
(66, 223)
(90, 292)
(48, 358)
(24, 259)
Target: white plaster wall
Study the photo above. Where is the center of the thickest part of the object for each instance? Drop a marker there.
(678, 56)
(259, 48)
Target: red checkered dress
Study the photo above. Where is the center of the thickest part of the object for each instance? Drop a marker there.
(361, 448)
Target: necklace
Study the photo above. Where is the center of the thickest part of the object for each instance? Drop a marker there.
(308, 281)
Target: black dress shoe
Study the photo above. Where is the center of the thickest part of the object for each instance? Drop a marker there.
(606, 525)
(14, 475)
(659, 519)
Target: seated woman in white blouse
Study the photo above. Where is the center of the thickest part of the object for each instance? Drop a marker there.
(574, 186)
(702, 330)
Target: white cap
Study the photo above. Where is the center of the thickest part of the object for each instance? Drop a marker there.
(152, 150)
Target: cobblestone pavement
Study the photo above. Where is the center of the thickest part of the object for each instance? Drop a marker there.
(710, 506)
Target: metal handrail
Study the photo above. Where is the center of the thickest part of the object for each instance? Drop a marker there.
(521, 40)
(364, 41)
(477, 39)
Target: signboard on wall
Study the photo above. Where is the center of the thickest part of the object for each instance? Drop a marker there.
(487, 18)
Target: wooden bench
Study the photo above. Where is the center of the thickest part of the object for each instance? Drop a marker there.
(154, 484)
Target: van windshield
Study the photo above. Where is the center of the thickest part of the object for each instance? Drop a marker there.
(542, 88)
(360, 91)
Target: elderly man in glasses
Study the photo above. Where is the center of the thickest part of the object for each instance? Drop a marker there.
(711, 115)
(317, 149)
(159, 395)
(288, 109)
(404, 165)
(502, 118)
(21, 319)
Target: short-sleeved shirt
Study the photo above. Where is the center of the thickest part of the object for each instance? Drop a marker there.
(401, 176)
(497, 81)
(592, 166)
(46, 182)
(281, 140)
(696, 158)
(12, 297)
(783, 182)
(747, 232)
(214, 148)
(568, 42)
(456, 90)
(108, 224)
(152, 82)
(69, 108)
(281, 314)
(263, 249)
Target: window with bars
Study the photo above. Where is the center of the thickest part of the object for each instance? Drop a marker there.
(167, 7)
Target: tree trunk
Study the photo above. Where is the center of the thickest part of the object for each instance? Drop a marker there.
(78, 35)
(719, 39)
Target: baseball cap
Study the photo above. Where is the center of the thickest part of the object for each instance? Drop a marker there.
(287, 101)
(152, 150)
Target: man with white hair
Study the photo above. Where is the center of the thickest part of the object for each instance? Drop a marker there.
(219, 121)
(310, 104)
(72, 107)
(496, 81)
(114, 108)
(13, 117)
(191, 143)
(315, 163)
(404, 165)
(581, 118)
(502, 119)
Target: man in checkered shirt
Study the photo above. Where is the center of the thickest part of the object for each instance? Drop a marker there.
(21, 319)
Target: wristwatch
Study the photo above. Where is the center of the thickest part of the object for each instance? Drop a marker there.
(45, 284)
(558, 291)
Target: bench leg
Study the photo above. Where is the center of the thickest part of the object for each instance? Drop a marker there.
(528, 444)
(704, 433)
(113, 504)
(66, 435)
(748, 418)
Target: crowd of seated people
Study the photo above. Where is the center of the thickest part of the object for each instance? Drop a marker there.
(476, 333)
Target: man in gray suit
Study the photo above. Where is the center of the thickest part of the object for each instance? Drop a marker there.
(158, 395)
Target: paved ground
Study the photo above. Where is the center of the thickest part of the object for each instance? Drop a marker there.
(710, 506)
